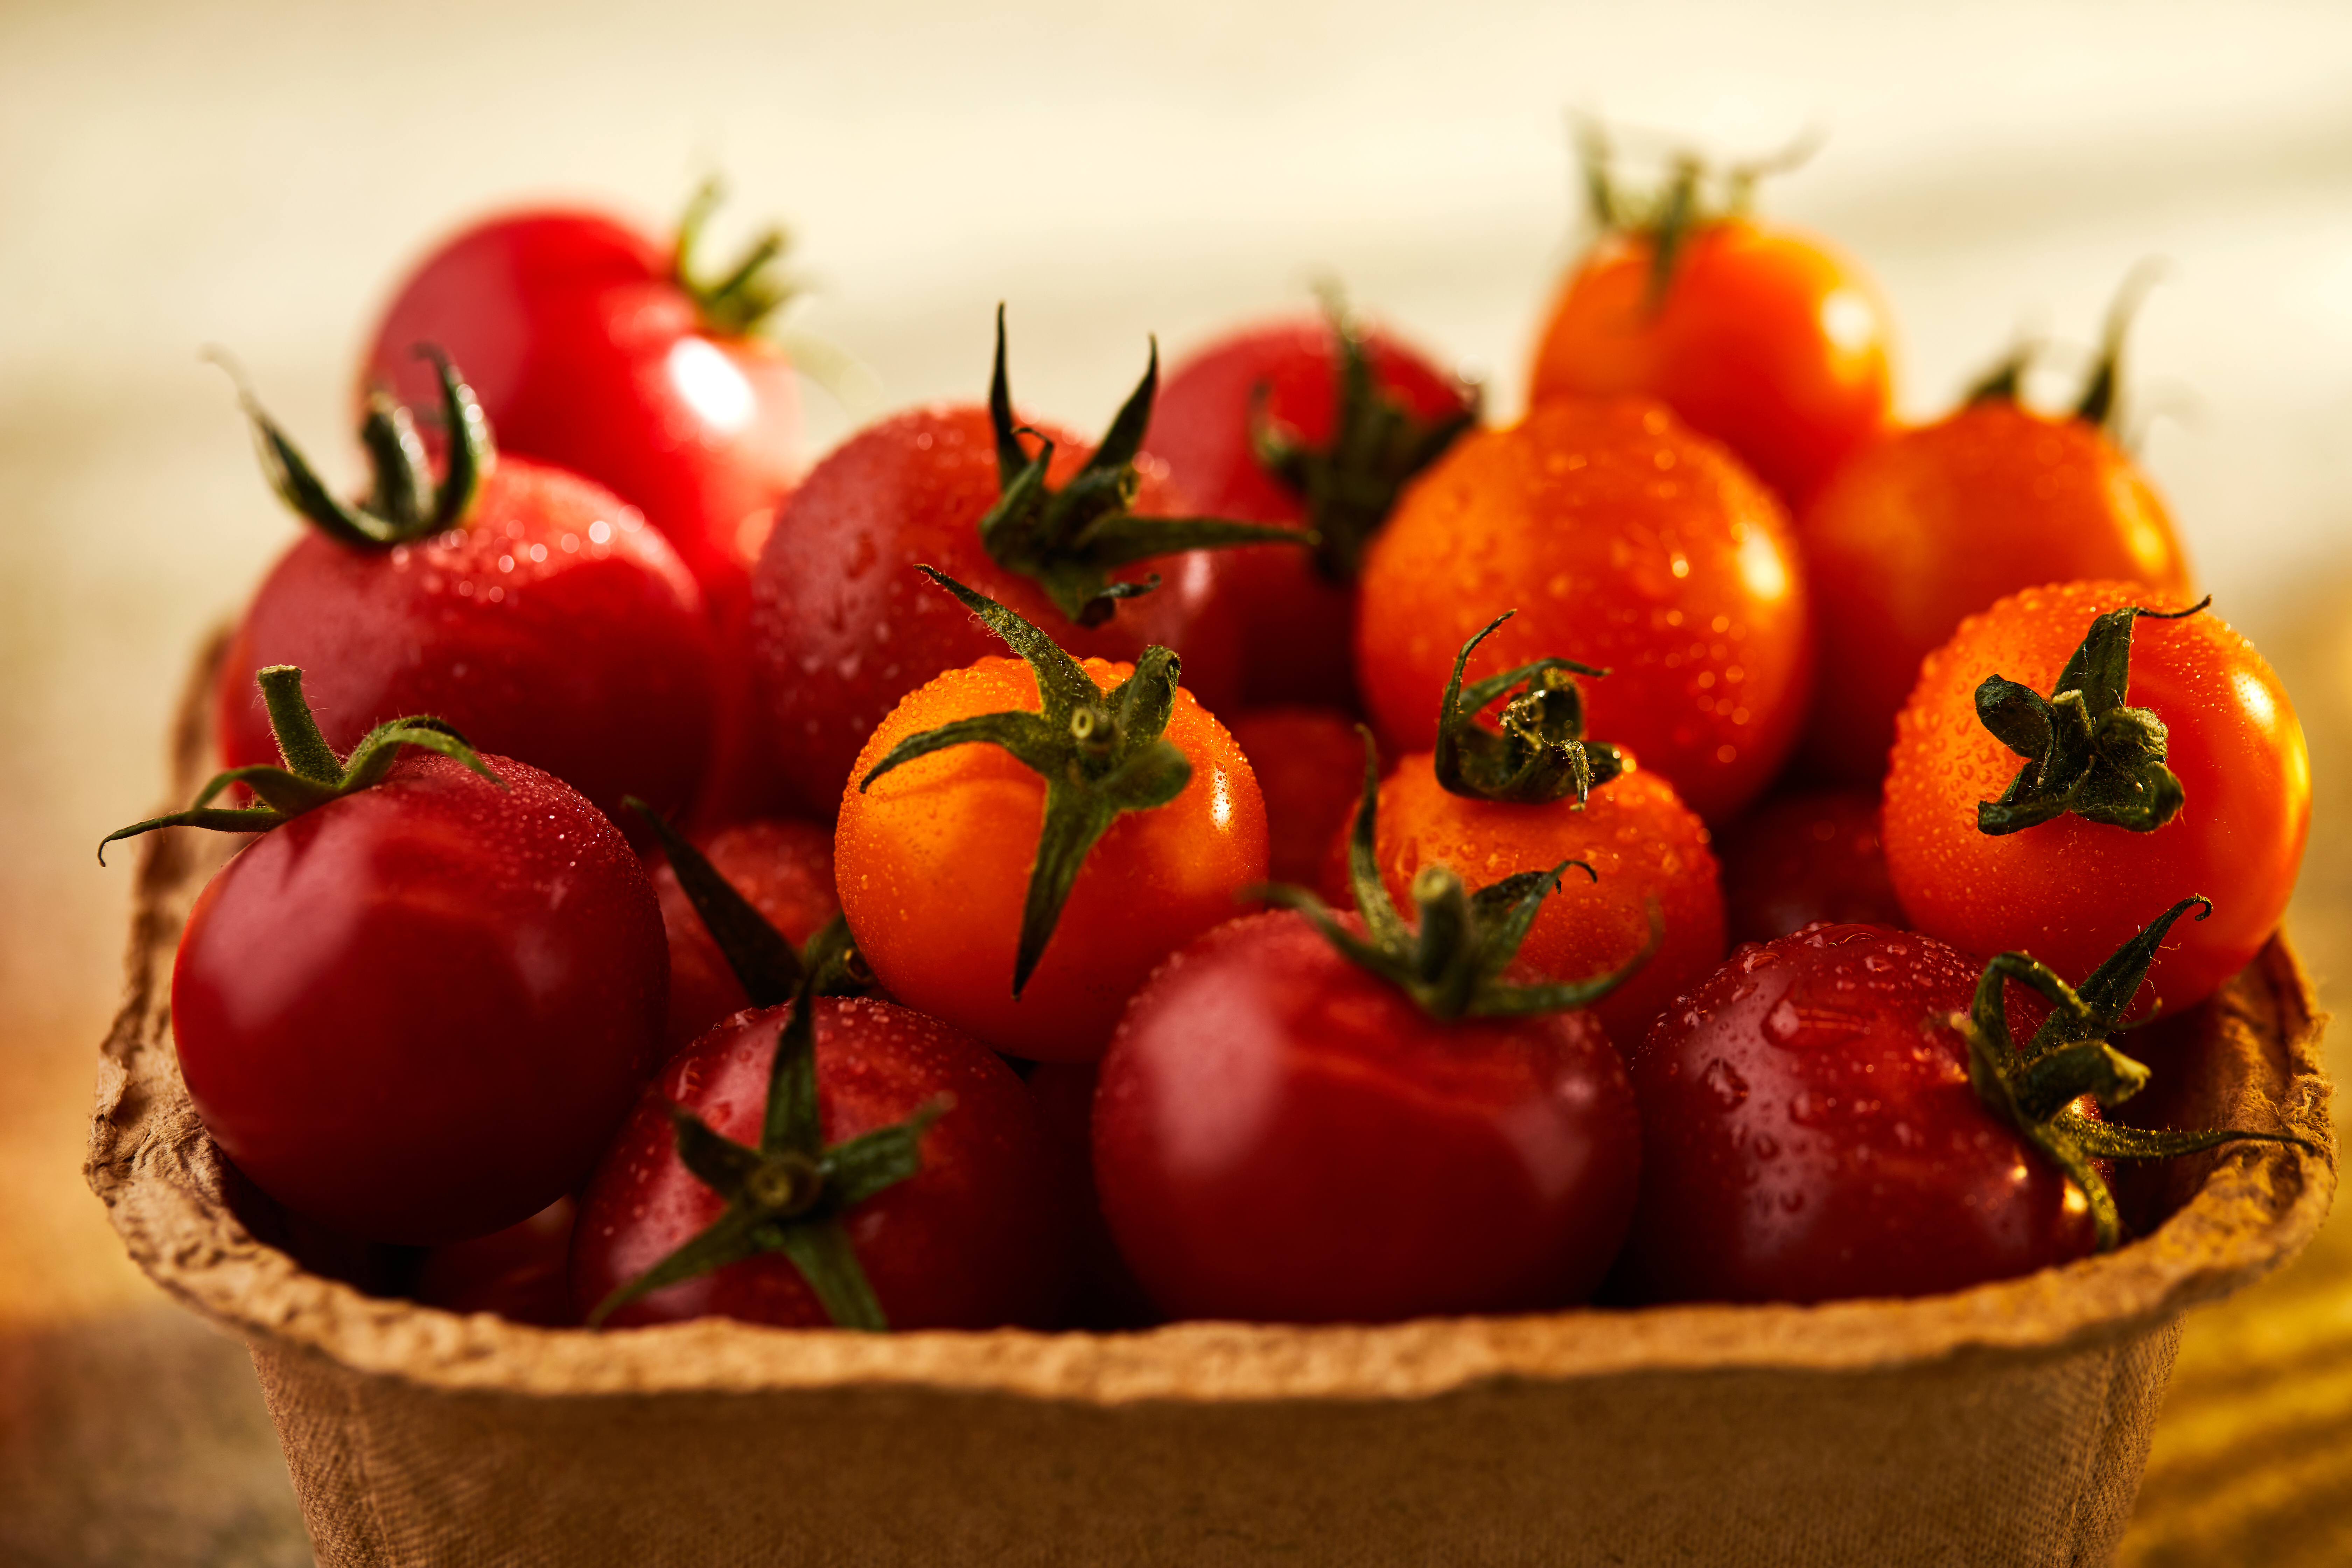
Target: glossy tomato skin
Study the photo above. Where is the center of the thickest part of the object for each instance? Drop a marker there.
(1309, 764)
(843, 625)
(2071, 891)
(416, 1013)
(1297, 624)
(1797, 859)
(1642, 844)
(556, 626)
(1280, 1136)
(522, 1273)
(1767, 339)
(785, 869)
(1623, 539)
(1808, 1134)
(1929, 525)
(933, 865)
(585, 353)
(980, 1238)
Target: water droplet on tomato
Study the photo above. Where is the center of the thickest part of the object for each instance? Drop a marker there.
(1724, 1085)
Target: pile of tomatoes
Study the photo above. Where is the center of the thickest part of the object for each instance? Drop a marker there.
(1305, 855)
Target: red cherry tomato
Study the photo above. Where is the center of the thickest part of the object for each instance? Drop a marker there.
(417, 1013)
(1931, 524)
(785, 869)
(1808, 1134)
(1279, 1135)
(1798, 858)
(1644, 845)
(1309, 765)
(980, 1238)
(1766, 338)
(554, 626)
(522, 1273)
(2068, 890)
(1297, 622)
(843, 628)
(1623, 539)
(933, 863)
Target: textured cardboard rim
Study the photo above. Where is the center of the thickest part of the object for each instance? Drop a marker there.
(2249, 1209)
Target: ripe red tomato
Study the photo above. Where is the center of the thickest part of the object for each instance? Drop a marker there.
(1296, 608)
(522, 1273)
(843, 626)
(1623, 539)
(1309, 765)
(1931, 524)
(1766, 338)
(1798, 858)
(416, 1013)
(785, 869)
(1280, 1136)
(980, 1238)
(1645, 848)
(588, 349)
(1809, 1134)
(554, 626)
(934, 859)
(2069, 891)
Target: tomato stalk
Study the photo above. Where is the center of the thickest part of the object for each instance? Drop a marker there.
(1068, 541)
(313, 774)
(1691, 197)
(404, 504)
(1541, 754)
(2099, 404)
(2033, 1090)
(737, 302)
(1451, 961)
(771, 971)
(2084, 751)
(1349, 485)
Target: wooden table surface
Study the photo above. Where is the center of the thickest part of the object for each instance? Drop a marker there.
(252, 172)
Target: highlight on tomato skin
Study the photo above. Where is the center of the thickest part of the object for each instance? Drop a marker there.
(2068, 890)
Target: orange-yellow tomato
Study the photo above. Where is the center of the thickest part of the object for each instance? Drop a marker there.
(2071, 891)
(1642, 843)
(1766, 338)
(1935, 523)
(1623, 539)
(934, 863)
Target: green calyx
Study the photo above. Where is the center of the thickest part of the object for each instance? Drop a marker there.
(790, 1194)
(1694, 195)
(2084, 751)
(2033, 1090)
(2099, 404)
(735, 302)
(313, 774)
(1350, 485)
(1069, 541)
(404, 504)
(1451, 962)
(1541, 754)
(1100, 754)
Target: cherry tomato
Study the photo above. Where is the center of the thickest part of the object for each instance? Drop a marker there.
(416, 1013)
(933, 863)
(1623, 539)
(2069, 891)
(1297, 614)
(1765, 338)
(785, 869)
(522, 1273)
(1798, 858)
(1309, 767)
(1281, 1135)
(1644, 848)
(1930, 524)
(842, 628)
(1809, 1134)
(980, 1238)
(554, 626)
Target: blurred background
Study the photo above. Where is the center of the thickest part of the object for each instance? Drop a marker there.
(255, 174)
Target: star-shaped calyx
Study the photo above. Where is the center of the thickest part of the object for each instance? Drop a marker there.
(1541, 754)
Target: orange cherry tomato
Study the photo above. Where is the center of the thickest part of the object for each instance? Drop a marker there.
(1623, 539)
(1642, 843)
(2068, 890)
(1934, 523)
(933, 864)
(1766, 338)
